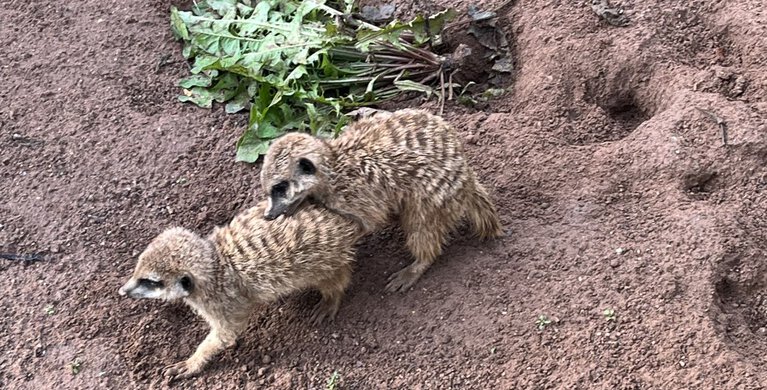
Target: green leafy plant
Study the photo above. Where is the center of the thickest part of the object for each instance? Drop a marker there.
(301, 65)
(333, 381)
(609, 315)
(75, 366)
(542, 322)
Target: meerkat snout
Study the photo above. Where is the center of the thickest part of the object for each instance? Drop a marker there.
(294, 178)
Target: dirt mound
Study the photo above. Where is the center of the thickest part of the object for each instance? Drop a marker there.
(606, 158)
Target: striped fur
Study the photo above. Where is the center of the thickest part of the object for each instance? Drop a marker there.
(249, 262)
(407, 166)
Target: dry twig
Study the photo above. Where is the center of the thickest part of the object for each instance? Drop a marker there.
(719, 122)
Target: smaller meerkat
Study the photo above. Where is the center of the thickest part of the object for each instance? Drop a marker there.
(251, 261)
(407, 164)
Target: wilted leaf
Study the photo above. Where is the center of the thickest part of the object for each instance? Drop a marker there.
(611, 15)
(477, 15)
(409, 85)
(378, 14)
(503, 65)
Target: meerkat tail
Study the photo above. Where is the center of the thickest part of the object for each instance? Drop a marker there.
(482, 214)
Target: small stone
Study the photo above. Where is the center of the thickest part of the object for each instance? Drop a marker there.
(244, 368)
(363, 350)
(262, 371)
(334, 335)
(614, 263)
(266, 359)
(472, 139)
(762, 330)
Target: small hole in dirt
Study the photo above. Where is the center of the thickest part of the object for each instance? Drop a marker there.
(610, 110)
(740, 303)
(627, 113)
(623, 110)
(700, 185)
(724, 289)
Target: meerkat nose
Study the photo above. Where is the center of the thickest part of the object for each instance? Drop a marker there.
(123, 291)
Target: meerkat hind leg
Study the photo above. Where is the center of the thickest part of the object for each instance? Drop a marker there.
(426, 232)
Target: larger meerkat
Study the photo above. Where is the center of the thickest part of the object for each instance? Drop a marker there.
(408, 164)
(251, 261)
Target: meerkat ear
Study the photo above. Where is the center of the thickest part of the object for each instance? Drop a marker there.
(306, 166)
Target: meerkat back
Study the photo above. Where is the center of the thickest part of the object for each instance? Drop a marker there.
(408, 166)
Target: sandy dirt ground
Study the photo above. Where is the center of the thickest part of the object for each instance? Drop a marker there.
(605, 159)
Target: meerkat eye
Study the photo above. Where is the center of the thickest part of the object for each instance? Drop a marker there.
(306, 166)
(150, 284)
(280, 189)
(186, 283)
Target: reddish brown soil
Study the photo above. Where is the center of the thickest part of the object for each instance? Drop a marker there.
(598, 146)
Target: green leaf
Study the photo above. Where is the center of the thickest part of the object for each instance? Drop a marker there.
(199, 96)
(238, 103)
(177, 24)
(297, 73)
(197, 80)
(249, 150)
(204, 62)
(223, 7)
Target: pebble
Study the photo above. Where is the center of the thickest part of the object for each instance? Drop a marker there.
(266, 359)
(614, 263)
(262, 371)
(334, 335)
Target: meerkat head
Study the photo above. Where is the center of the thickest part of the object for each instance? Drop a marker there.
(292, 172)
(170, 267)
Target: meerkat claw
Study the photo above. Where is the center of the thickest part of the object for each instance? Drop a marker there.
(323, 312)
(401, 280)
(178, 371)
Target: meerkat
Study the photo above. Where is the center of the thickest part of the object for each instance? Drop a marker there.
(249, 262)
(407, 165)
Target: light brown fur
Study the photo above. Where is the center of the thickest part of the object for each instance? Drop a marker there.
(408, 165)
(251, 261)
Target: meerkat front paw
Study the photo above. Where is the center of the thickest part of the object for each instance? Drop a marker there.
(181, 370)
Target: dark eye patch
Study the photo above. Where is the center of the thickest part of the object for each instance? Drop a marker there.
(306, 166)
(150, 284)
(280, 189)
